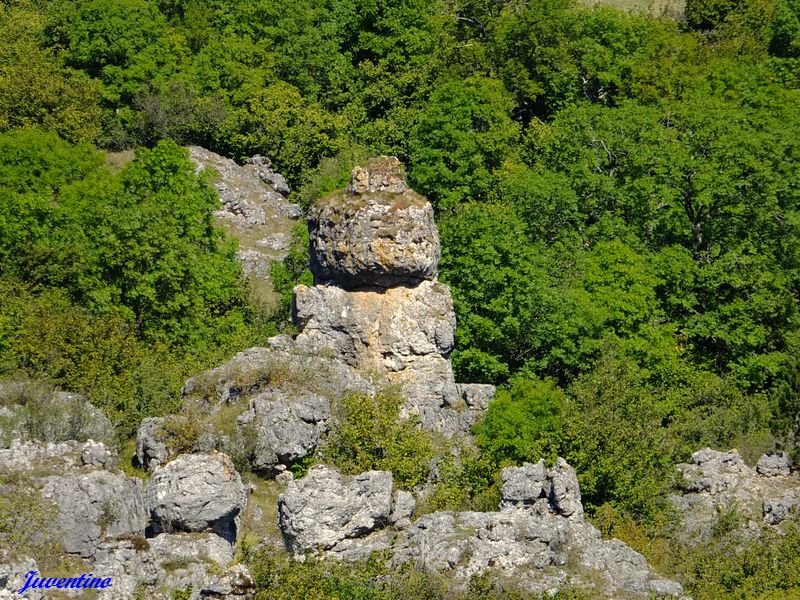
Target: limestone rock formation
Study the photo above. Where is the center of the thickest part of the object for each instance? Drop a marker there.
(536, 534)
(323, 508)
(376, 303)
(377, 232)
(716, 482)
(94, 505)
(196, 492)
(254, 208)
(200, 562)
(287, 426)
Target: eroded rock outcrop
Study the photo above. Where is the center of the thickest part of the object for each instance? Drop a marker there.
(195, 493)
(287, 427)
(254, 208)
(324, 508)
(715, 483)
(378, 232)
(538, 536)
(376, 302)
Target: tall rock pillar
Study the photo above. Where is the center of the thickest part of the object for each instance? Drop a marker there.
(377, 303)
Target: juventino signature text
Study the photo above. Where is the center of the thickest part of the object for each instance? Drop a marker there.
(83, 582)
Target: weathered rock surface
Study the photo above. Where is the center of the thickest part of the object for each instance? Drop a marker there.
(195, 493)
(54, 458)
(376, 233)
(151, 446)
(253, 370)
(716, 482)
(536, 534)
(253, 207)
(776, 464)
(324, 508)
(287, 426)
(404, 334)
(94, 505)
(13, 571)
(172, 562)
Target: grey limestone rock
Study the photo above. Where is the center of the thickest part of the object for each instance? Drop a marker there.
(287, 425)
(13, 575)
(713, 471)
(717, 482)
(476, 395)
(252, 206)
(776, 464)
(96, 454)
(182, 561)
(263, 167)
(565, 495)
(151, 446)
(402, 335)
(55, 458)
(556, 488)
(403, 506)
(523, 486)
(94, 505)
(324, 508)
(58, 416)
(196, 492)
(252, 371)
(384, 174)
(776, 510)
(376, 233)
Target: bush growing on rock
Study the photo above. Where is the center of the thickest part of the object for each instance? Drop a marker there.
(369, 436)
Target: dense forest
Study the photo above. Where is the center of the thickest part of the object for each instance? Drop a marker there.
(618, 197)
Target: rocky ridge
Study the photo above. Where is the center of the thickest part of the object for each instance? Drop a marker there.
(717, 482)
(538, 536)
(127, 529)
(254, 208)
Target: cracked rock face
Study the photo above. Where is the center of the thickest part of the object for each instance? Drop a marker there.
(538, 533)
(377, 232)
(324, 508)
(287, 426)
(196, 492)
(94, 505)
(716, 482)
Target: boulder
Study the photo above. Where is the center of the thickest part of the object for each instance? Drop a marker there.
(776, 464)
(194, 493)
(375, 233)
(287, 426)
(324, 508)
(555, 489)
(786, 506)
(95, 505)
(151, 446)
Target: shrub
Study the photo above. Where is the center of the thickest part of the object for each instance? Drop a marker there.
(368, 435)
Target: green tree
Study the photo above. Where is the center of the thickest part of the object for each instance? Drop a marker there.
(464, 135)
